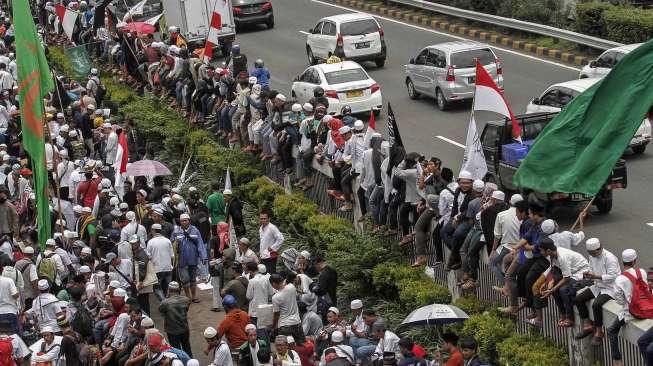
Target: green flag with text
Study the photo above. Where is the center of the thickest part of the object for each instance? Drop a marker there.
(79, 60)
(34, 82)
(578, 149)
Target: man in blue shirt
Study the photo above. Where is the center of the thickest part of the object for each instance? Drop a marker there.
(262, 74)
(191, 252)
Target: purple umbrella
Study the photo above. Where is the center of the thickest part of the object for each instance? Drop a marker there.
(149, 168)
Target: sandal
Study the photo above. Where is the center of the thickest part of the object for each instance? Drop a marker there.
(584, 333)
(196, 301)
(534, 322)
(470, 284)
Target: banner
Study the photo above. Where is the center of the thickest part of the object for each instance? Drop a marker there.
(79, 60)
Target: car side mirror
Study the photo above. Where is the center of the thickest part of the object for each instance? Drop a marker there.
(296, 78)
(592, 64)
(310, 30)
(411, 61)
(536, 101)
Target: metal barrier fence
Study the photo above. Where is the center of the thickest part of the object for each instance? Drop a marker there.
(580, 351)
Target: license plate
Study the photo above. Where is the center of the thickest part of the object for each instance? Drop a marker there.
(577, 197)
(354, 93)
(471, 79)
(253, 9)
(362, 45)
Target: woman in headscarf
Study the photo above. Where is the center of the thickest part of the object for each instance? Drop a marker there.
(256, 107)
(335, 145)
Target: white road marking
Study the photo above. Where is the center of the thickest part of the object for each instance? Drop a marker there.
(447, 35)
(304, 33)
(455, 143)
(649, 224)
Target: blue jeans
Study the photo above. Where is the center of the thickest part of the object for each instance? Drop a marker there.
(496, 264)
(13, 320)
(364, 353)
(645, 344)
(188, 275)
(613, 336)
(161, 290)
(376, 203)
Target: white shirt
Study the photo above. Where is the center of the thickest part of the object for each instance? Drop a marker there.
(6, 80)
(6, 248)
(119, 330)
(445, 204)
(30, 275)
(159, 249)
(270, 239)
(50, 151)
(64, 170)
(567, 239)
(571, 264)
(389, 343)
(111, 148)
(385, 179)
(125, 267)
(367, 172)
(134, 228)
(66, 211)
(624, 292)
(343, 351)
(259, 291)
(45, 308)
(606, 265)
(52, 351)
(8, 303)
(248, 256)
(125, 250)
(222, 355)
(285, 303)
(4, 119)
(353, 152)
(506, 227)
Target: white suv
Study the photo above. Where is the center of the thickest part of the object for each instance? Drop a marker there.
(603, 64)
(351, 36)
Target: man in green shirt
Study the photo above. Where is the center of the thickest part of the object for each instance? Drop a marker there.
(216, 206)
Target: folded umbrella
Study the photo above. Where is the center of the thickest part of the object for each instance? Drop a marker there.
(148, 168)
(435, 314)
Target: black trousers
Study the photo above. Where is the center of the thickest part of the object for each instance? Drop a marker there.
(144, 302)
(404, 216)
(533, 270)
(362, 200)
(270, 264)
(581, 300)
(181, 341)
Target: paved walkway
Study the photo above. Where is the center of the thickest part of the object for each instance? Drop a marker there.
(200, 316)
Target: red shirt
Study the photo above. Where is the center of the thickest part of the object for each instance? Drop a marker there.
(305, 352)
(88, 189)
(233, 325)
(418, 351)
(455, 358)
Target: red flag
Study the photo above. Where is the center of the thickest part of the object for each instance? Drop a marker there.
(67, 18)
(122, 154)
(371, 128)
(489, 97)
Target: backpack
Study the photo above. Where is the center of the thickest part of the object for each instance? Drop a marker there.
(641, 301)
(82, 322)
(6, 351)
(47, 269)
(100, 92)
(180, 353)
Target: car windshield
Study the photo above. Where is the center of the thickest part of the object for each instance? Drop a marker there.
(359, 27)
(345, 76)
(465, 59)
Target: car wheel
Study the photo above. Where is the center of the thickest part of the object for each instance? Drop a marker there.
(270, 23)
(583, 76)
(440, 100)
(412, 93)
(380, 62)
(293, 95)
(639, 149)
(309, 54)
(604, 202)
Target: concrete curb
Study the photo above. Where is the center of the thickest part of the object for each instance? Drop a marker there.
(461, 29)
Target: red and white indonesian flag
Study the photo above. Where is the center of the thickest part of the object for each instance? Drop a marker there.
(489, 97)
(212, 37)
(122, 158)
(371, 129)
(67, 19)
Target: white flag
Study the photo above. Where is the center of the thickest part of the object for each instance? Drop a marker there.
(153, 20)
(135, 10)
(474, 159)
(227, 180)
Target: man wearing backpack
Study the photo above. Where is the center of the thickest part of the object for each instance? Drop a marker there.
(49, 265)
(27, 269)
(9, 295)
(12, 348)
(94, 87)
(634, 295)
(45, 308)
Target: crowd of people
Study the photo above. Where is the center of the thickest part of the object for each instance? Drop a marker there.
(121, 251)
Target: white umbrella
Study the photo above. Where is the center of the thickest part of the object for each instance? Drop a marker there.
(148, 168)
(435, 314)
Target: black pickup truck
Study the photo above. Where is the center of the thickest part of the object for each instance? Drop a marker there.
(499, 133)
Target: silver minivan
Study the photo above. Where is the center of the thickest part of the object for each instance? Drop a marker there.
(447, 71)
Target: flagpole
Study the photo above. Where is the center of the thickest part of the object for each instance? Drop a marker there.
(54, 167)
(56, 87)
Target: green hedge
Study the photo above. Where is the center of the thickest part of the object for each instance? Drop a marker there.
(531, 349)
(628, 24)
(589, 18)
(489, 329)
(409, 286)
(472, 305)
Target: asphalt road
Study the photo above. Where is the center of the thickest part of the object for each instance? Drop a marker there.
(425, 129)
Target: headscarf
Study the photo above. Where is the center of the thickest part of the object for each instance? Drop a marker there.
(334, 125)
(223, 234)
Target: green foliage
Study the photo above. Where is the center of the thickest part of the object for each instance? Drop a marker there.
(323, 229)
(293, 209)
(589, 18)
(472, 305)
(57, 58)
(628, 24)
(489, 329)
(409, 286)
(531, 349)
(261, 192)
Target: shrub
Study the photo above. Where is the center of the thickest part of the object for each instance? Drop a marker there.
(261, 192)
(410, 286)
(323, 229)
(589, 18)
(628, 24)
(472, 305)
(531, 349)
(293, 210)
(489, 329)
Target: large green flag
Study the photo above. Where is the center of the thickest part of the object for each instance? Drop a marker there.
(79, 59)
(34, 82)
(578, 149)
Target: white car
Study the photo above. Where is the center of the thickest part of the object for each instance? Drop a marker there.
(344, 83)
(601, 66)
(352, 36)
(555, 97)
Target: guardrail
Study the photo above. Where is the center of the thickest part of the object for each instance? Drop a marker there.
(545, 30)
(581, 353)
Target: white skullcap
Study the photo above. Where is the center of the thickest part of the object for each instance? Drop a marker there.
(548, 226)
(50, 242)
(85, 269)
(359, 125)
(356, 304)
(305, 253)
(105, 182)
(28, 250)
(124, 206)
(130, 215)
(147, 322)
(250, 327)
(344, 129)
(210, 332)
(142, 192)
(114, 201)
(226, 192)
(193, 362)
(87, 250)
(120, 292)
(134, 239)
(156, 226)
(498, 195)
(337, 336)
(327, 118)
(628, 255)
(104, 125)
(281, 97)
(592, 244)
(464, 174)
(63, 128)
(262, 269)
(43, 285)
(334, 309)
(252, 80)
(516, 198)
(291, 339)
(47, 329)
(184, 216)
(296, 108)
(478, 185)
(87, 209)
(114, 284)
(77, 208)
(308, 107)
